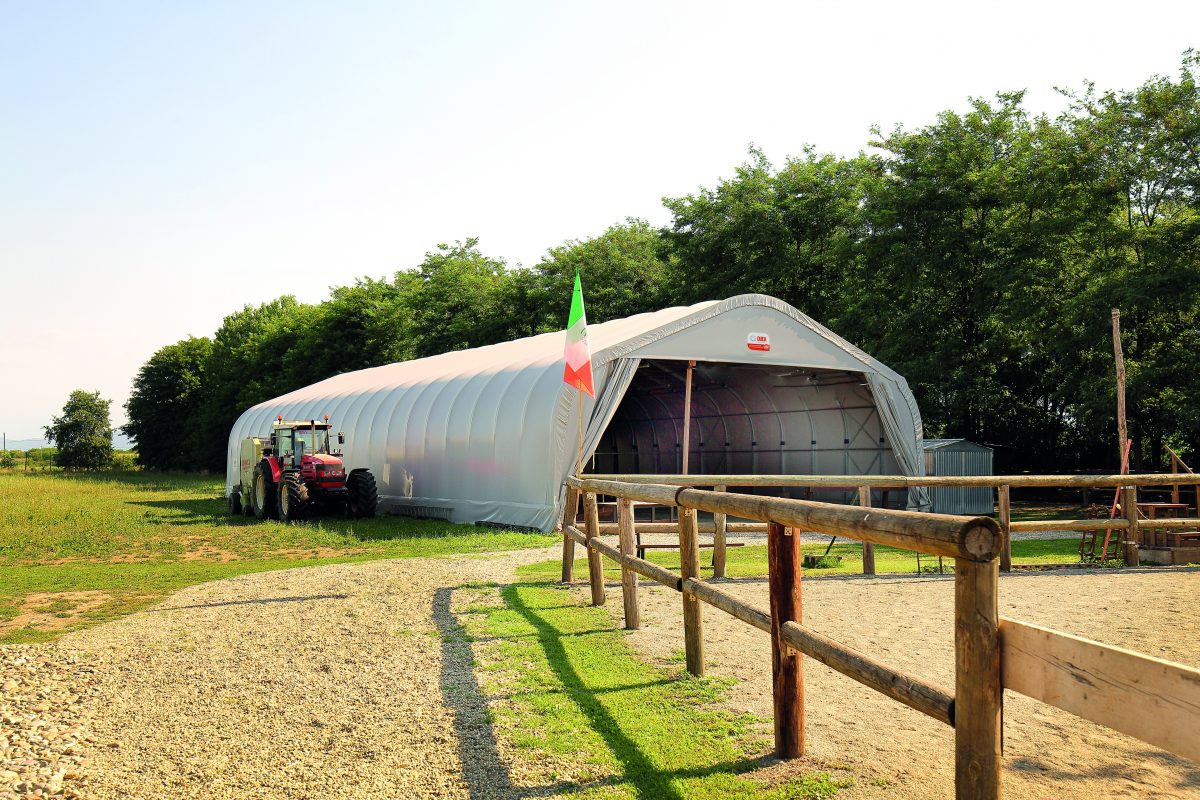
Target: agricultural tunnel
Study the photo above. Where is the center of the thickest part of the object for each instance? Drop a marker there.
(489, 434)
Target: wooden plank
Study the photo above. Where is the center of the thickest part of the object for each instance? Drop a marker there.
(910, 690)
(689, 566)
(1026, 526)
(895, 481)
(629, 578)
(591, 517)
(1148, 698)
(864, 500)
(978, 696)
(784, 558)
(570, 514)
(973, 538)
(702, 527)
(728, 603)
(1004, 506)
(720, 529)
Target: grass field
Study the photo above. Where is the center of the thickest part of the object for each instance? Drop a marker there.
(589, 717)
(76, 549)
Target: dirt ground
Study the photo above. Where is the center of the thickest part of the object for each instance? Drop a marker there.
(896, 752)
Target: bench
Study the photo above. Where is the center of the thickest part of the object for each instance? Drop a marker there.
(642, 548)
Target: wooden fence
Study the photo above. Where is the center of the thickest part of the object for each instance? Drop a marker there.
(1128, 526)
(1154, 700)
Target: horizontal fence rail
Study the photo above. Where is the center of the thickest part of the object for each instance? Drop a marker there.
(1151, 699)
(904, 481)
(972, 538)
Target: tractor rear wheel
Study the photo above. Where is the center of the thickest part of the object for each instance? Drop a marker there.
(293, 497)
(235, 503)
(364, 496)
(262, 492)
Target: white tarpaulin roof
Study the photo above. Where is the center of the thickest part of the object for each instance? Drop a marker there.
(489, 434)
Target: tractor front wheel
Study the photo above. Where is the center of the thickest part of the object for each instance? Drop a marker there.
(293, 497)
(235, 503)
(262, 492)
(364, 496)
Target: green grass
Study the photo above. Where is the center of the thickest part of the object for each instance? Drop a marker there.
(138, 537)
(589, 718)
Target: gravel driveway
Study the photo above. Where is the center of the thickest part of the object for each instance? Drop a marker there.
(345, 681)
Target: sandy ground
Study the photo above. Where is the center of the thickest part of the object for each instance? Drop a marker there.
(896, 752)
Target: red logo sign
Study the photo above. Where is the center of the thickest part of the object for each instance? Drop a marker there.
(758, 341)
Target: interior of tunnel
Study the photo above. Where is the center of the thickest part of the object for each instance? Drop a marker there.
(748, 419)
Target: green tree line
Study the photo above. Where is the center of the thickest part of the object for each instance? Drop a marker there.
(978, 255)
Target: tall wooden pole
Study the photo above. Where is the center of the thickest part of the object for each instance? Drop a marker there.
(783, 565)
(687, 415)
(689, 567)
(579, 457)
(1122, 428)
(978, 695)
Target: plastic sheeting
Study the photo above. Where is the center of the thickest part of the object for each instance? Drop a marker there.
(489, 434)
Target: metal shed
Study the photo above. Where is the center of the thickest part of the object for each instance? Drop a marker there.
(959, 457)
(489, 434)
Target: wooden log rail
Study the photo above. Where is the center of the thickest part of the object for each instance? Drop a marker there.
(1127, 527)
(973, 541)
(1154, 700)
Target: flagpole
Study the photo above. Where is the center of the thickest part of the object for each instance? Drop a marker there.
(579, 458)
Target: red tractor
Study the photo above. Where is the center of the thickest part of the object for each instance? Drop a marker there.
(295, 473)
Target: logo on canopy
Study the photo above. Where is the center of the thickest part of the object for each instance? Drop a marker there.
(758, 341)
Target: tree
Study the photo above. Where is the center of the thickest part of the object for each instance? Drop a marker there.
(164, 407)
(83, 434)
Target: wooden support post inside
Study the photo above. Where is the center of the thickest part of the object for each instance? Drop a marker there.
(719, 536)
(978, 695)
(689, 567)
(687, 415)
(570, 513)
(864, 500)
(629, 578)
(1174, 471)
(591, 518)
(784, 558)
(1005, 507)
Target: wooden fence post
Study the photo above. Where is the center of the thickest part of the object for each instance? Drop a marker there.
(591, 518)
(629, 578)
(978, 695)
(689, 567)
(864, 500)
(1005, 507)
(570, 513)
(1129, 510)
(719, 527)
(784, 557)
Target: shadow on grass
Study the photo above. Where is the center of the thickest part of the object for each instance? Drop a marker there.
(485, 771)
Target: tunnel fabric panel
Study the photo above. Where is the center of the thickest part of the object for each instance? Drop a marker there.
(489, 434)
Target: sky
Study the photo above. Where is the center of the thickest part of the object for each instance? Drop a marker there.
(165, 164)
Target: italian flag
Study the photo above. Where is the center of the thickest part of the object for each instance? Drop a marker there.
(578, 370)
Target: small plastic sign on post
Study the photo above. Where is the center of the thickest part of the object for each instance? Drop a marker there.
(758, 341)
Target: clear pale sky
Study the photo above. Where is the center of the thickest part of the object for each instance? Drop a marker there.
(163, 164)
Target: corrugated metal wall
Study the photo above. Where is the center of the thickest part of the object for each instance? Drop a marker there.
(960, 458)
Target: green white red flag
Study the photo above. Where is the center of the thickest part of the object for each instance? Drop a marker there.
(578, 369)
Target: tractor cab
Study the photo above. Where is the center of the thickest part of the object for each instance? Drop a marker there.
(292, 441)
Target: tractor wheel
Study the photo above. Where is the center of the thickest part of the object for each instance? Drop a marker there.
(262, 493)
(364, 497)
(293, 497)
(235, 503)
